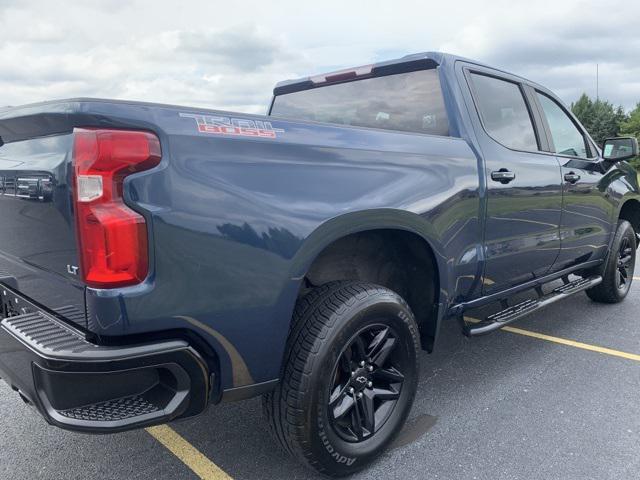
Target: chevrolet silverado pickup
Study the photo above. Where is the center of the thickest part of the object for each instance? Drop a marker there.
(156, 259)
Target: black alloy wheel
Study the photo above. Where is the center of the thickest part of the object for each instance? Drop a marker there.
(625, 265)
(617, 271)
(349, 379)
(367, 380)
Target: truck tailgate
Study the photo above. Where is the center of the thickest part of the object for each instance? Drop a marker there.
(37, 231)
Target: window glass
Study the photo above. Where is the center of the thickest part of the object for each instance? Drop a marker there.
(567, 139)
(410, 102)
(504, 112)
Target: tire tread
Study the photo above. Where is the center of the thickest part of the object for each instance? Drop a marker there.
(606, 291)
(314, 317)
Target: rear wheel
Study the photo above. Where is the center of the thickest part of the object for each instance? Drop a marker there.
(618, 272)
(350, 377)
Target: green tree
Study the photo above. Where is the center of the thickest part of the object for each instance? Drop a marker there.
(601, 119)
(583, 109)
(631, 127)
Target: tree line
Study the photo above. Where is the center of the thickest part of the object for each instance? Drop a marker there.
(603, 120)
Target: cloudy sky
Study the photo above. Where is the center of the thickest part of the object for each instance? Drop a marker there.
(229, 54)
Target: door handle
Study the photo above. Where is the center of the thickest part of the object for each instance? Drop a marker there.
(503, 176)
(571, 177)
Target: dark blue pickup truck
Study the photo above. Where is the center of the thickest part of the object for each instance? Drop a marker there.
(155, 259)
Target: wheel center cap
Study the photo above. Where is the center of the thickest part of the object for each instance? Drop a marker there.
(360, 379)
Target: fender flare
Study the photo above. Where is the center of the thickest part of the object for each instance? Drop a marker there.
(362, 221)
(370, 220)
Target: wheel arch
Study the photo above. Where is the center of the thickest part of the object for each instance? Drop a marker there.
(396, 249)
(630, 211)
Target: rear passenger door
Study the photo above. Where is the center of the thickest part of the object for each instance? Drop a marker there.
(588, 212)
(524, 186)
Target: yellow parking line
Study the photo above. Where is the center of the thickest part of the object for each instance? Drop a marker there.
(187, 453)
(207, 470)
(564, 341)
(572, 343)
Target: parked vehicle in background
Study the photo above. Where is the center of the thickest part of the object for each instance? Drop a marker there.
(156, 259)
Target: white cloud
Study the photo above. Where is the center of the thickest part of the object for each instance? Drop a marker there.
(560, 45)
(209, 68)
(230, 55)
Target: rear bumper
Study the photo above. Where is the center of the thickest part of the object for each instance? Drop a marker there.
(78, 385)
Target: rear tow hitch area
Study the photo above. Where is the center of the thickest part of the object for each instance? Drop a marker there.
(78, 385)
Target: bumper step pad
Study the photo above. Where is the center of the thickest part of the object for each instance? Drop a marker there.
(113, 410)
(49, 335)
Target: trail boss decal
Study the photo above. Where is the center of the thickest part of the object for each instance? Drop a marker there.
(233, 126)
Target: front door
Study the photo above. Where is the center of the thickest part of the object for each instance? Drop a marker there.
(586, 225)
(524, 187)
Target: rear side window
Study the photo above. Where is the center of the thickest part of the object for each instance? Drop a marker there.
(567, 139)
(504, 113)
(409, 102)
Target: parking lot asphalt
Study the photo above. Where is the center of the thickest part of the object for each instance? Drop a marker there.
(502, 406)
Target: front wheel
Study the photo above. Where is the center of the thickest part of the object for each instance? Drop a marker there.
(349, 379)
(618, 272)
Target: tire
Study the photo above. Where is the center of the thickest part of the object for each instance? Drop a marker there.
(313, 411)
(619, 267)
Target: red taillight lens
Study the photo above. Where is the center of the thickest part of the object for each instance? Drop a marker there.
(112, 238)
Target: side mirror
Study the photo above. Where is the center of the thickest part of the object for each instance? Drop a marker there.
(618, 149)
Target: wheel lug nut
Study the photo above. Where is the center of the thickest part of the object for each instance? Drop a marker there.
(353, 374)
(360, 395)
(352, 390)
(362, 363)
(369, 384)
(370, 368)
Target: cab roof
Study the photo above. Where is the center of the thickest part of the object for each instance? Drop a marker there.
(408, 63)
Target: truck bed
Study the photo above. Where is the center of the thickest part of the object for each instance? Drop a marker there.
(236, 211)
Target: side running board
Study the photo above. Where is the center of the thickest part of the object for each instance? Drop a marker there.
(515, 312)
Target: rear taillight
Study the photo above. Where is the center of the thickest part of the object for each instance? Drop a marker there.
(112, 238)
